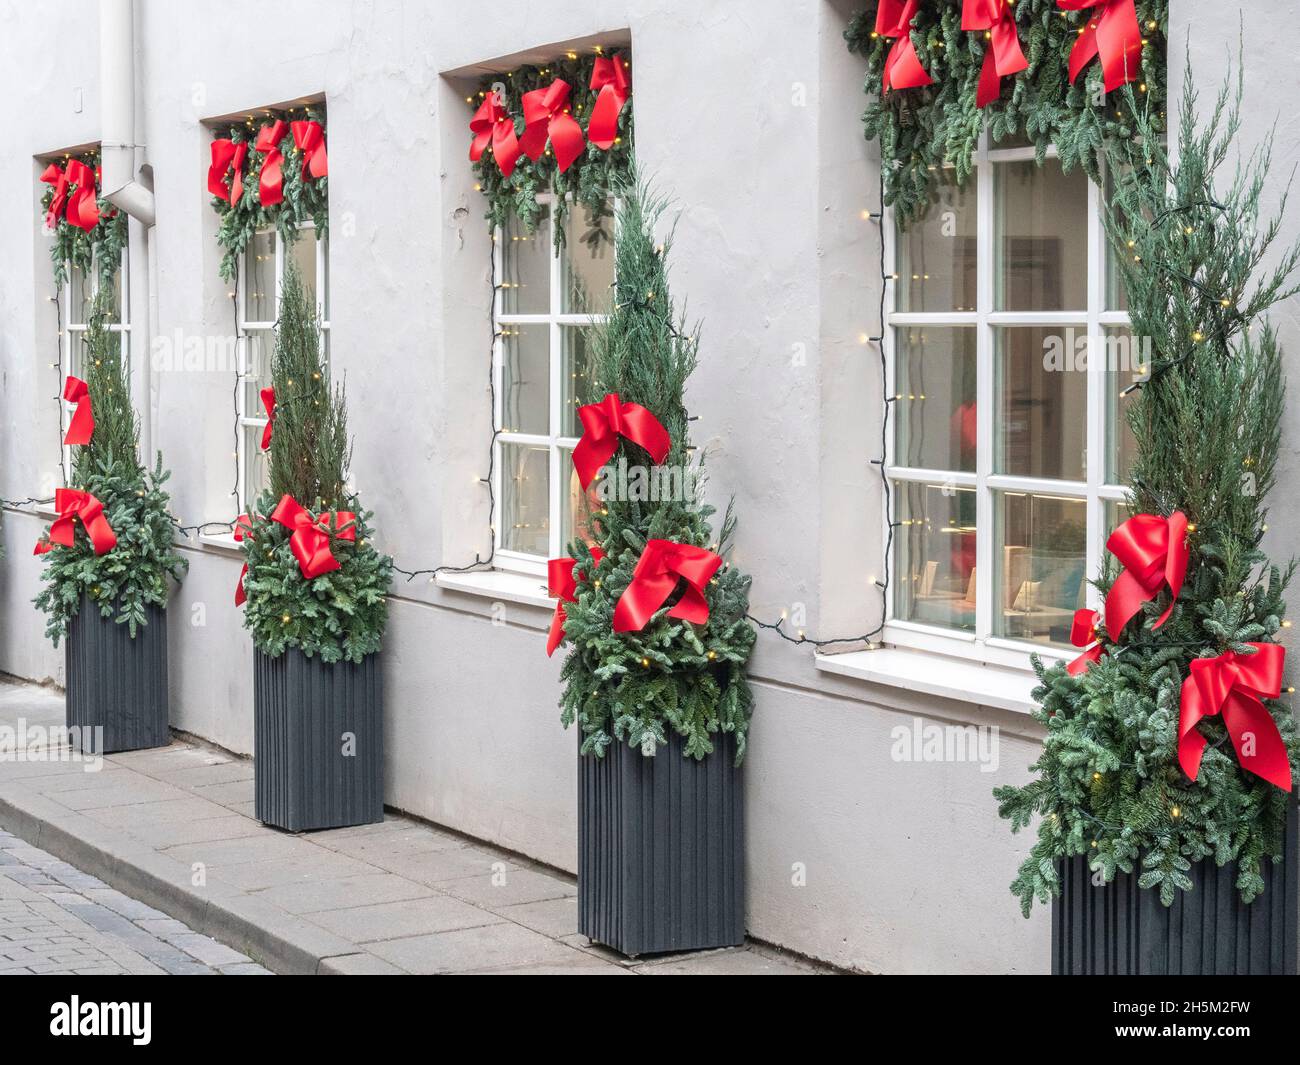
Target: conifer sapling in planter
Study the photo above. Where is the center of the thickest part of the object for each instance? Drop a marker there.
(659, 637)
(108, 557)
(1166, 773)
(315, 590)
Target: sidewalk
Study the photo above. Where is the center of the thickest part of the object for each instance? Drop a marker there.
(173, 827)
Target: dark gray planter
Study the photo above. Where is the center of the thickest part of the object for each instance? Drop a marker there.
(661, 849)
(304, 711)
(115, 682)
(1122, 930)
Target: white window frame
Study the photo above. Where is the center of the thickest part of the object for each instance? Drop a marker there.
(70, 341)
(256, 417)
(982, 645)
(560, 447)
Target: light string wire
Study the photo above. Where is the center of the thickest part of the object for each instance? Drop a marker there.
(33, 501)
(800, 637)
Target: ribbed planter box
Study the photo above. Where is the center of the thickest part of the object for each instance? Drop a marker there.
(318, 735)
(115, 682)
(661, 849)
(1122, 930)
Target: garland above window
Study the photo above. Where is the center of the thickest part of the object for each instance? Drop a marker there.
(1051, 71)
(563, 128)
(271, 171)
(81, 223)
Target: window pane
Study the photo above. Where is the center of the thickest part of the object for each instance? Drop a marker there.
(575, 378)
(936, 253)
(303, 253)
(1042, 237)
(258, 345)
(936, 554)
(587, 262)
(525, 404)
(115, 305)
(259, 278)
(255, 471)
(1041, 575)
(325, 281)
(935, 383)
(526, 268)
(1116, 514)
(1127, 359)
(1116, 297)
(525, 504)
(78, 297)
(577, 507)
(1042, 402)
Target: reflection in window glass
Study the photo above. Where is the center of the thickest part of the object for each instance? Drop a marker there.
(587, 262)
(578, 508)
(1128, 358)
(1042, 401)
(259, 278)
(1041, 571)
(1042, 238)
(935, 538)
(303, 253)
(575, 377)
(935, 388)
(526, 267)
(936, 253)
(525, 498)
(525, 403)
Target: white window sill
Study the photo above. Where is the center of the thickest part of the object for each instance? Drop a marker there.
(499, 585)
(939, 675)
(221, 541)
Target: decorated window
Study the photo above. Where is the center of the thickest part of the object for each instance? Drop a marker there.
(548, 293)
(77, 298)
(260, 272)
(1010, 349)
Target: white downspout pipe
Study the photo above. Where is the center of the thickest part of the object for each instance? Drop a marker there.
(119, 153)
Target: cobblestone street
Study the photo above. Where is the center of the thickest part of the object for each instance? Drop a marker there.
(56, 919)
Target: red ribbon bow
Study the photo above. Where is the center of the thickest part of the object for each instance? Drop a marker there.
(268, 401)
(655, 579)
(227, 155)
(53, 175)
(1114, 34)
(243, 531)
(903, 69)
(309, 138)
(1153, 552)
(309, 536)
(82, 210)
(546, 117)
(1083, 633)
(562, 578)
(270, 184)
(82, 425)
(1233, 684)
(491, 123)
(611, 79)
(603, 423)
(73, 503)
(1004, 56)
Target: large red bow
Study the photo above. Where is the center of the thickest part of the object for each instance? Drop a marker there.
(309, 138)
(1233, 684)
(243, 531)
(270, 184)
(82, 211)
(903, 69)
(546, 117)
(309, 536)
(562, 578)
(1153, 552)
(655, 579)
(73, 503)
(54, 175)
(603, 423)
(227, 155)
(1004, 56)
(82, 425)
(611, 79)
(1114, 34)
(268, 401)
(1083, 633)
(491, 123)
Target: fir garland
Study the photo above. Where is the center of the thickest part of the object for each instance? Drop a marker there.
(590, 180)
(922, 130)
(126, 580)
(80, 248)
(304, 200)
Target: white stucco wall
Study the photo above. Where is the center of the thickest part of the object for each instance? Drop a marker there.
(748, 113)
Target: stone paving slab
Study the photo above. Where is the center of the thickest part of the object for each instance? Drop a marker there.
(191, 875)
